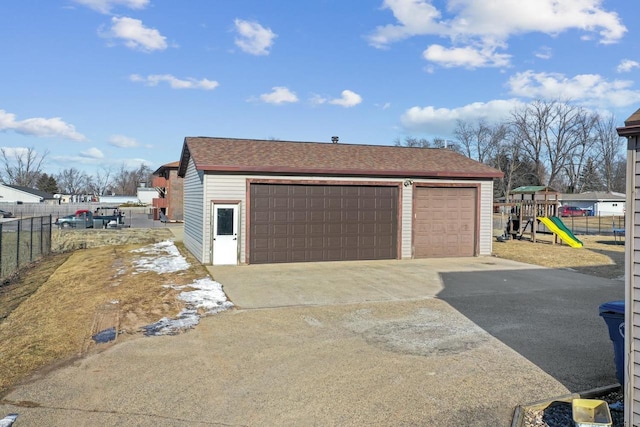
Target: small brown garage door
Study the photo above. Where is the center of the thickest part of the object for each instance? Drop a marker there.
(445, 222)
(299, 223)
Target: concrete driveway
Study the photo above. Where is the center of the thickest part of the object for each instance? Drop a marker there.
(450, 342)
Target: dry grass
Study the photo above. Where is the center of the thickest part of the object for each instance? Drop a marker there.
(57, 305)
(600, 256)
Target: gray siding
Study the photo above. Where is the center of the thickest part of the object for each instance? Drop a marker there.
(632, 286)
(407, 221)
(194, 212)
(486, 218)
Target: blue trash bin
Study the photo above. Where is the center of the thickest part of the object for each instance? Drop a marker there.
(613, 314)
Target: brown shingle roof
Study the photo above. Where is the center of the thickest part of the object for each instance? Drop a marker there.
(172, 165)
(631, 125)
(305, 158)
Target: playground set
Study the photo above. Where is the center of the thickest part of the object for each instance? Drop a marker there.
(535, 208)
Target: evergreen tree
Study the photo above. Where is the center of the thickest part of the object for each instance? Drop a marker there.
(47, 184)
(590, 179)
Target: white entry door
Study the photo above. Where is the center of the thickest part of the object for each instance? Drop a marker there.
(225, 234)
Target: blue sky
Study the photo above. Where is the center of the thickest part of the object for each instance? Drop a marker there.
(102, 83)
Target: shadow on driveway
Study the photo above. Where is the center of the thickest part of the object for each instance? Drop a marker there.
(548, 316)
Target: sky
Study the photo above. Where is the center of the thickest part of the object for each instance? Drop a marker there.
(100, 84)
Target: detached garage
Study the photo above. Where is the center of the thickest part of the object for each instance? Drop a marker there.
(255, 201)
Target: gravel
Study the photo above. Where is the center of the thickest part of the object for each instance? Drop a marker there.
(559, 414)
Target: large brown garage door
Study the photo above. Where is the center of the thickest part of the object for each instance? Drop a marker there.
(297, 223)
(445, 222)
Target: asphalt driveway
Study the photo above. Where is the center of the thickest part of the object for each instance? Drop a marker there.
(423, 342)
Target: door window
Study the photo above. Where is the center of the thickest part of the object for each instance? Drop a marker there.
(224, 222)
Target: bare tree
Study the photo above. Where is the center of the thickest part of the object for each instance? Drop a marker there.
(72, 181)
(608, 146)
(126, 181)
(576, 160)
(22, 166)
(551, 133)
(479, 141)
(100, 183)
(411, 141)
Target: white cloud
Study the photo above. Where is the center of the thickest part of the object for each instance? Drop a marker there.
(135, 35)
(415, 17)
(442, 121)
(174, 82)
(123, 141)
(279, 95)
(467, 56)
(253, 38)
(105, 6)
(348, 99)
(52, 127)
(586, 89)
(487, 25)
(544, 52)
(627, 65)
(92, 153)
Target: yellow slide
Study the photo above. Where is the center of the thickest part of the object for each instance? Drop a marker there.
(556, 226)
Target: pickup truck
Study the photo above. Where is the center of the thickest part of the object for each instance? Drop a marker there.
(84, 218)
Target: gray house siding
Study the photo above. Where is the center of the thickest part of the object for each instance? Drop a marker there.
(194, 218)
(632, 286)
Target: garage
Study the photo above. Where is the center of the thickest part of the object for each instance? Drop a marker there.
(445, 222)
(302, 222)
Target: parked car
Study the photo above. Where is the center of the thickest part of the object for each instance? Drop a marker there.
(78, 220)
(5, 214)
(573, 211)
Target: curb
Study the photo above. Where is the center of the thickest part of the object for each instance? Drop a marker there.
(518, 414)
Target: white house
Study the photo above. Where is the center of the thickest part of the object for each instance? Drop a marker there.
(146, 195)
(600, 203)
(18, 194)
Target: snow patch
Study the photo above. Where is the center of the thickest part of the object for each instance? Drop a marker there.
(161, 257)
(206, 298)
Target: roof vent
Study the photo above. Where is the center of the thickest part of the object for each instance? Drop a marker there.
(334, 139)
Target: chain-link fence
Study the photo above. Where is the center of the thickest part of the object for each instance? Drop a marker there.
(23, 241)
(601, 225)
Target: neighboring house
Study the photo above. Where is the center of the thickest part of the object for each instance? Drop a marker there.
(599, 203)
(146, 195)
(118, 200)
(18, 194)
(170, 192)
(257, 201)
(631, 388)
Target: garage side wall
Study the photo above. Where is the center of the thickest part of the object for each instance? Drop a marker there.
(486, 218)
(194, 212)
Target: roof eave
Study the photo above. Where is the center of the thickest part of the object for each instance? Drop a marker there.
(349, 172)
(629, 130)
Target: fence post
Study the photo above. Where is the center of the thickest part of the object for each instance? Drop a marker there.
(50, 233)
(41, 235)
(31, 241)
(1, 263)
(18, 244)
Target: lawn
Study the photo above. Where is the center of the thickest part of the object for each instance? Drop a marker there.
(601, 256)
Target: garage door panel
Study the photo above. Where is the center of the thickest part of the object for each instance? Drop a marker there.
(445, 221)
(323, 222)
